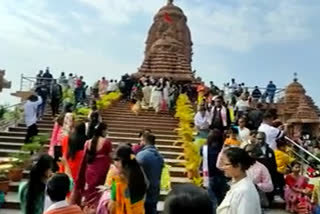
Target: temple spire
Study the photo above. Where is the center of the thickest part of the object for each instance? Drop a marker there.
(295, 77)
(170, 2)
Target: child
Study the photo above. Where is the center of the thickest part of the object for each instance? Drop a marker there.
(136, 107)
(233, 138)
(283, 160)
(297, 190)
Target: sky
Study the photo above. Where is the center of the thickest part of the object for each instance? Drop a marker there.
(254, 41)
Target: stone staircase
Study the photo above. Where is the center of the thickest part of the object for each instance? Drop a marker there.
(123, 127)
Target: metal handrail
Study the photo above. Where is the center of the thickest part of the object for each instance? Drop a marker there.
(303, 149)
(4, 123)
(31, 81)
(298, 155)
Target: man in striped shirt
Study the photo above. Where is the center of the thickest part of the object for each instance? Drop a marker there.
(57, 189)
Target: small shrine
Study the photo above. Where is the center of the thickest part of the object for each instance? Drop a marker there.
(168, 50)
(299, 111)
(3, 82)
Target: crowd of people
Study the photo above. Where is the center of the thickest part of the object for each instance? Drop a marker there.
(245, 159)
(250, 127)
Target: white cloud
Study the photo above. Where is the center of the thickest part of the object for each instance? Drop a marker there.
(121, 11)
(242, 26)
(238, 25)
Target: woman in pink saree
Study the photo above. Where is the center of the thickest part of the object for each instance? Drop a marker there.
(94, 168)
(103, 85)
(56, 135)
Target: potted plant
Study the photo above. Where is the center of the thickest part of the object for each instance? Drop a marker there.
(4, 181)
(36, 147)
(18, 161)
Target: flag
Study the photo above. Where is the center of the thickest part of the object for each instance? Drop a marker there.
(167, 18)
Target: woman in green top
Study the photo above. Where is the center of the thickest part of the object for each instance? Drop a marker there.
(32, 193)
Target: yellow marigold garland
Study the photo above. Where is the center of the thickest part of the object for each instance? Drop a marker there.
(185, 113)
(106, 100)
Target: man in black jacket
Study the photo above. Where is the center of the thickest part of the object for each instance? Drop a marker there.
(56, 97)
(220, 115)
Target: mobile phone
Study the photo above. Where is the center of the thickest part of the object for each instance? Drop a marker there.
(57, 152)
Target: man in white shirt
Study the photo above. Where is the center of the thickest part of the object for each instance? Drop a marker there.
(112, 86)
(30, 116)
(242, 106)
(202, 122)
(272, 133)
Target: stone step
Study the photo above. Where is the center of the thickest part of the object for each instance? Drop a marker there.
(11, 139)
(170, 152)
(127, 114)
(140, 116)
(121, 125)
(24, 129)
(46, 126)
(171, 137)
(133, 140)
(146, 122)
(159, 141)
(110, 133)
(135, 131)
(161, 148)
(154, 128)
(14, 139)
(125, 120)
(150, 113)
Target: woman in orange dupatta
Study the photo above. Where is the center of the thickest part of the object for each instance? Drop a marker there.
(73, 148)
(126, 185)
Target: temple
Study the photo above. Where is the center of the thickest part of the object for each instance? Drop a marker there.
(3, 82)
(168, 50)
(299, 111)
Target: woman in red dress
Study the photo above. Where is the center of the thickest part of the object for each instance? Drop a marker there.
(297, 191)
(72, 148)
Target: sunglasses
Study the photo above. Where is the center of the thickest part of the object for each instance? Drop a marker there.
(116, 159)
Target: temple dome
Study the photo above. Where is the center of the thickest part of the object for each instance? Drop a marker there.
(295, 88)
(304, 113)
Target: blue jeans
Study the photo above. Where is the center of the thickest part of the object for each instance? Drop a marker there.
(218, 188)
(78, 93)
